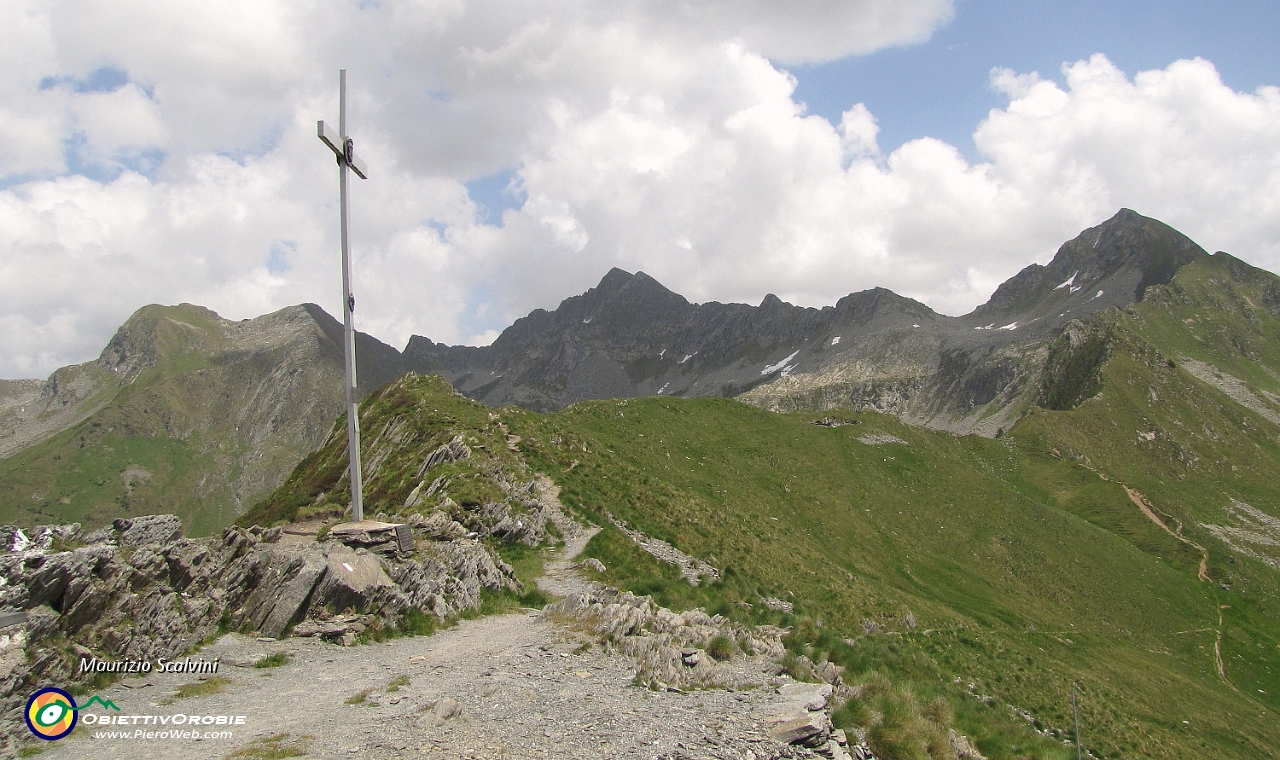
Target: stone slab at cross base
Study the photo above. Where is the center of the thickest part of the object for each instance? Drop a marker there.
(374, 535)
(810, 696)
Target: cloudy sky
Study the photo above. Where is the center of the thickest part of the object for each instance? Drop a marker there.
(165, 151)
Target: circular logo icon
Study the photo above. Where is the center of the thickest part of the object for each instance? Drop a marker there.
(51, 713)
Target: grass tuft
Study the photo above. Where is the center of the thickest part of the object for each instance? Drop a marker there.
(358, 698)
(276, 747)
(721, 647)
(214, 685)
(274, 660)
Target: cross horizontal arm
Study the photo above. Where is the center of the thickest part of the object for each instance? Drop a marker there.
(330, 138)
(357, 166)
(340, 149)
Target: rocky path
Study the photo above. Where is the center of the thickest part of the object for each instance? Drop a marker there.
(558, 575)
(510, 686)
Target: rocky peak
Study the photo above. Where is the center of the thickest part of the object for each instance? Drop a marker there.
(772, 303)
(154, 333)
(868, 303)
(620, 291)
(623, 305)
(1123, 256)
(1128, 239)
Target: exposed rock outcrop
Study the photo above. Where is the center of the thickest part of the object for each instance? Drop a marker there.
(138, 590)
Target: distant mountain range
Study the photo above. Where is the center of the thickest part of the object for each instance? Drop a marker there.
(189, 413)
(875, 350)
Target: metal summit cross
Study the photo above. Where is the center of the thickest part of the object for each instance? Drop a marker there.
(344, 149)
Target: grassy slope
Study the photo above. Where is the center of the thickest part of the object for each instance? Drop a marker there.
(1204, 451)
(400, 424)
(1013, 579)
(1023, 569)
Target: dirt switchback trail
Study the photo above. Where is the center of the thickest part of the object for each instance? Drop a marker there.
(1137, 498)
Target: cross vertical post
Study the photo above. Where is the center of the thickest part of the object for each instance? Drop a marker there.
(344, 148)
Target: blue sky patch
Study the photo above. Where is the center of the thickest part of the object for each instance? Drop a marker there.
(942, 88)
(278, 256)
(13, 180)
(482, 313)
(105, 79)
(267, 142)
(144, 162)
(494, 194)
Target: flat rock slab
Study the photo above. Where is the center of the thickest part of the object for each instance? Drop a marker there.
(372, 526)
(812, 696)
(370, 533)
(812, 729)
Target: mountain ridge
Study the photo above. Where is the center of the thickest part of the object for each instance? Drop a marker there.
(184, 412)
(228, 407)
(1118, 538)
(874, 349)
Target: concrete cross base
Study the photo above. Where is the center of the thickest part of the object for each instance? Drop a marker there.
(374, 536)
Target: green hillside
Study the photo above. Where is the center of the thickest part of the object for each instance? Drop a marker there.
(999, 555)
(128, 457)
(921, 556)
(1188, 416)
(192, 415)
